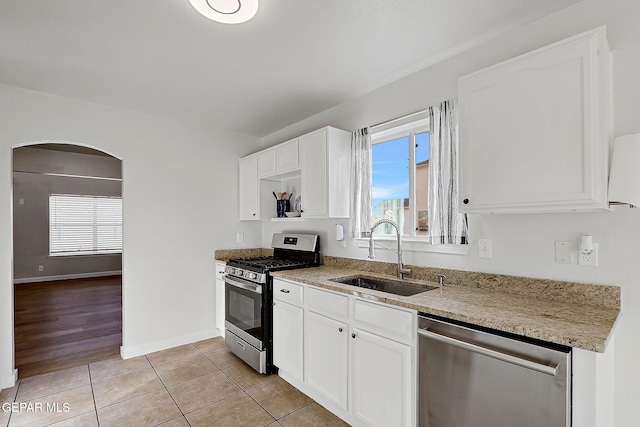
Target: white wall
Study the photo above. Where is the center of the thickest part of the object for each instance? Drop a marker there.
(523, 245)
(179, 201)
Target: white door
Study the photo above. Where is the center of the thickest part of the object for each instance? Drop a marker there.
(326, 357)
(288, 338)
(381, 380)
(313, 159)
(530, 133)
(248, 188)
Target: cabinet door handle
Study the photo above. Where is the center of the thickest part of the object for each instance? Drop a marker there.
(353, 335)
(465, 201)
(284, 291)
(339, 329)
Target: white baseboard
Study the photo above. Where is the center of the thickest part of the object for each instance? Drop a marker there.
(141, 350)
(9, 381)
(67, 277)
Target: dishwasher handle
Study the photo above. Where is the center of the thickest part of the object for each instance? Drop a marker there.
(518, 361)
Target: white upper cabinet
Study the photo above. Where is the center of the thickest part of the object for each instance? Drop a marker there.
(267, 163)
(248, 188)
(535, 130)
(287, 156)
(324, 164)
(280, 159)
(314, 167)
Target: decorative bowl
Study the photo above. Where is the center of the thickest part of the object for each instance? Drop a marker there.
(292, 214)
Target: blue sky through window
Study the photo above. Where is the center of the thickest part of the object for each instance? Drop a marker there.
(390, 167)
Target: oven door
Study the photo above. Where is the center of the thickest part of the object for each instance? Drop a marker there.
(244, 310)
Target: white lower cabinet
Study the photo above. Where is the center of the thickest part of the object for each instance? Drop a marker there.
(358, 360)
(326, 344)
(288, 338)
(288, 327)
(220, 266)
(381, 378)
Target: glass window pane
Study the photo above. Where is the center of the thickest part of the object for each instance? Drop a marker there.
(390, 183)
(422, 183)
(84, 224)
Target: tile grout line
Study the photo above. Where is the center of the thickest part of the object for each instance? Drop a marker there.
(93, 394)
(169, 393)
(242, 389)
(245, 391)
(15, 398)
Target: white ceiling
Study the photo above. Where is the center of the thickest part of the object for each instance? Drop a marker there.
(296, 58)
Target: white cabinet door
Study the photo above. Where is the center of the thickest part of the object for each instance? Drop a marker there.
(267, 165)
(326, 357)
(248, 188)
(324, 173)
(288, 338)
(381, 380)
(287, 156)
(534, 130)
(278, 160)
(313, 156)
(220, 296)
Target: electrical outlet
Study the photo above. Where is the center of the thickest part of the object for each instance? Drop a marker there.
(239, 237)
(485, 248)
(590, 260)
(41, 268)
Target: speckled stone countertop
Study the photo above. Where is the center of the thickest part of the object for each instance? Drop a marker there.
(227, 254)
(572, 314)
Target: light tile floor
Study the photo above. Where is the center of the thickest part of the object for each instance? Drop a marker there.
(200, 384)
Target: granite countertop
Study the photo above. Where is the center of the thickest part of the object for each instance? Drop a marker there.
(573, 314)
(576, 325)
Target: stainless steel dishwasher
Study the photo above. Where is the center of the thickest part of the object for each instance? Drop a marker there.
(475, 377)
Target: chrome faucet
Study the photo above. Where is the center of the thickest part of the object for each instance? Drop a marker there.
(401, 270)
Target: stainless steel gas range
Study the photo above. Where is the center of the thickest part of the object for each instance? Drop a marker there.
(249, 296)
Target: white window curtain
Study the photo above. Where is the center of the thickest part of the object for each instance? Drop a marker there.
(446, 224)
(360, 209)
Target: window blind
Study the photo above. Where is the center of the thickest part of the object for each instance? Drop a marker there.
(80, 225)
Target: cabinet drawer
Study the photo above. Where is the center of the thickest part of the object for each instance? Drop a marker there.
(385, 321)
(288, 292)
(328, 303)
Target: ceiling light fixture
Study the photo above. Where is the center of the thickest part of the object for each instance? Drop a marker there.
(227, 11)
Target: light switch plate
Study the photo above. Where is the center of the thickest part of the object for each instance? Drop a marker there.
(485, 248)
(564, 252)
(239, 237)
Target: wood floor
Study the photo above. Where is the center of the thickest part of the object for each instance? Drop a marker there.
(66, 323)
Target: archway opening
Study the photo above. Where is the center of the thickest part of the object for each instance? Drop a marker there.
(67, 256)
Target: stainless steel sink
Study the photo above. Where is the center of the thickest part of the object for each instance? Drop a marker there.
(391, 287)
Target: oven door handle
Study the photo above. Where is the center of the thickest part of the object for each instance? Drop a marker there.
(244, 285)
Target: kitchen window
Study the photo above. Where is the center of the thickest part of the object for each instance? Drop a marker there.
(400, 177)
(84, 225)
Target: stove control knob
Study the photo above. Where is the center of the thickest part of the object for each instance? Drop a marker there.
(239, 273)
(251, 276)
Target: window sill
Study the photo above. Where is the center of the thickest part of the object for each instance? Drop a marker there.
(85, 255)
(416, 245)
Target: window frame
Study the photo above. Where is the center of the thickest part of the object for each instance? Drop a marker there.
(414, 123)
(94, 226)
(410, 130)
